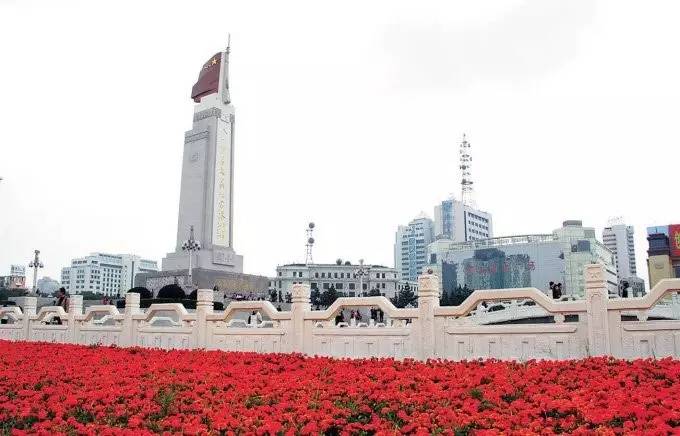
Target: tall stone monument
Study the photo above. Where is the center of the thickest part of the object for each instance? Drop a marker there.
(206, 196)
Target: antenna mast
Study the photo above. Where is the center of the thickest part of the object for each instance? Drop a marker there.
(310, 244)
(467, 194)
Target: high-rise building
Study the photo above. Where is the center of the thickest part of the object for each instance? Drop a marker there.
(618, 238)
(581, 248)
(459, 222)
(206, 193)
(410, 247)
(663, 255)
(106, 274)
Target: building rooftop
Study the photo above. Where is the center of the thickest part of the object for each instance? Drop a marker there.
(497, 242)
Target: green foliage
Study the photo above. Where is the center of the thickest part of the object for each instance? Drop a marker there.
(374, 293)
(404, 297)
(315, 296)
(329, 296)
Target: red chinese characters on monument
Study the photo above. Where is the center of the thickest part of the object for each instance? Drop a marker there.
(674, 239)
(208, 79)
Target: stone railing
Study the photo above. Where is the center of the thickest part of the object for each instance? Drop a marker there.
(504, 324)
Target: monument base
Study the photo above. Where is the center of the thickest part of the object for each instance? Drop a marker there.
(217, 259)
(228, 283)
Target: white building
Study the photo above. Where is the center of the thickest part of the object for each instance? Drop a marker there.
(459, 222)
(410, 247)
(346, 278)
(106, 274)
(619, 240)
(581, 248)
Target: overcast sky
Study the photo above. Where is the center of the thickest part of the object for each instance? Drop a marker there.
(348, 114)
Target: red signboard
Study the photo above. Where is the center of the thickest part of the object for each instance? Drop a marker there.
(674, 239)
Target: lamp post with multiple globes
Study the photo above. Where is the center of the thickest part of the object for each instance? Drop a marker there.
(191, 245)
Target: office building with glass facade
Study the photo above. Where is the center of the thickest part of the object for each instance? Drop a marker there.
(523, 261)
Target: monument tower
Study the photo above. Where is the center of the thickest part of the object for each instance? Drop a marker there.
(206, 195)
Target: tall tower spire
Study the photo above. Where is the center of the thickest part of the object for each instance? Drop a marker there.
(467, 193)
(226, 98)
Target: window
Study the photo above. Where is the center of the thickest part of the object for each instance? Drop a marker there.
(351, 286)
(323, 275)
(365, 287)
(338, 286)
(342, 275)
(326, 286)
(316, 274)
(294, 273)
(336, 275)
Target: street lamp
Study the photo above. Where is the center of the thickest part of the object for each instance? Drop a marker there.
(361, 272)
(35, 264)
(191, 245)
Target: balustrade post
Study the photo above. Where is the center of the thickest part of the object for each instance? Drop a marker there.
(428, 300)
(127, 338)
(301, 304)
(204, 307)
(597, 297)
(30, 309)
(75, 310)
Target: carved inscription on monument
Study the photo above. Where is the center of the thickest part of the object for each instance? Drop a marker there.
(222, 179)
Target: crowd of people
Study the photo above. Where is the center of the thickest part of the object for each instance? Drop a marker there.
(355, 316)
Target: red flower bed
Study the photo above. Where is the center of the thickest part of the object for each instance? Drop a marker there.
(49, 388)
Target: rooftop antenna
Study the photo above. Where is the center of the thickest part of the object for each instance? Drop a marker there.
(310, 244)
(467, 193)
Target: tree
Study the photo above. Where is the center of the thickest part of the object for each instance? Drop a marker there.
(172, 291)
(329, 296)
(444, 299)
(338, 261)
(315, 297)
(374, 292)
(289, 297)
(144, 293)
(459, 295)
(404, 297)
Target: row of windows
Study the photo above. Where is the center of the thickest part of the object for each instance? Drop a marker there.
(336, 275)
(479, 218)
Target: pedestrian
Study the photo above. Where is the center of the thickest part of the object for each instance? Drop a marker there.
(255, 318)
(62, 301)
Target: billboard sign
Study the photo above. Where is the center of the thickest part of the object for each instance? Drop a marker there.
(17, 270)
(674, 239)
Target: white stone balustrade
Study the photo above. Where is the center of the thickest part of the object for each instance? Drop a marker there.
(503, 327)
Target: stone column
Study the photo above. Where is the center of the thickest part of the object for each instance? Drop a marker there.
(75, 310)
(428, 300)
(29, 310)
(301, 305)
(127, 337)
(204, 307)
(596, 305)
